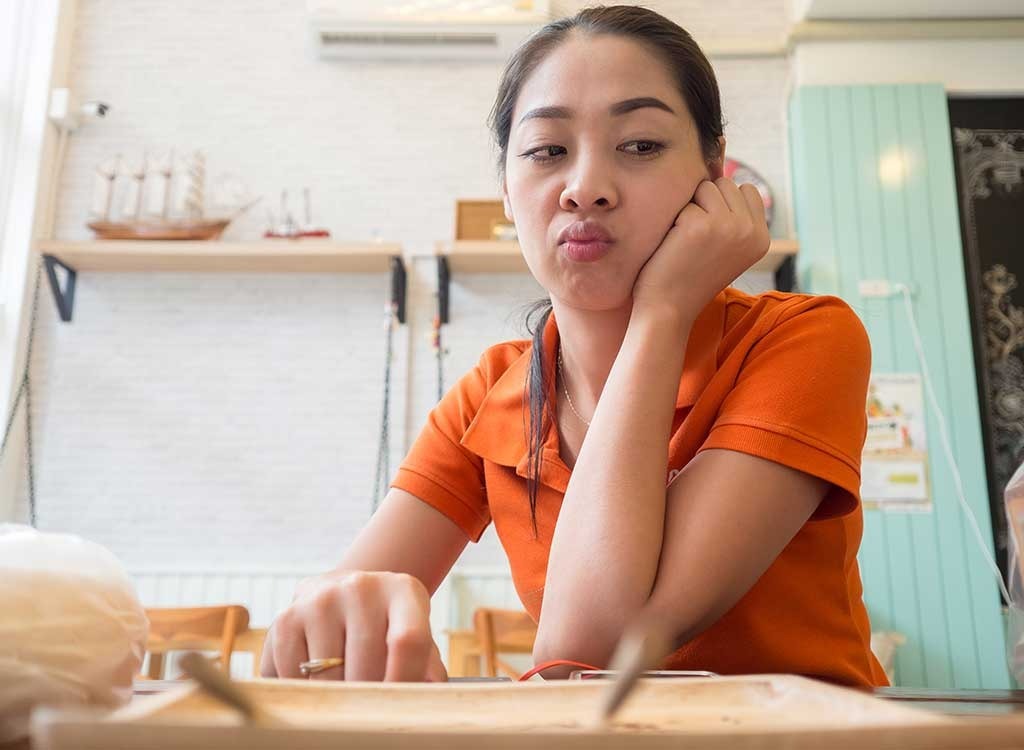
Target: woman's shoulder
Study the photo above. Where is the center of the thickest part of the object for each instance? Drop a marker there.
(787, 325)
(497, 359)
(771, 309)
(502, 355)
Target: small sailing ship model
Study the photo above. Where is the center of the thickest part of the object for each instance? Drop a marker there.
(288, 228)
(134, 223)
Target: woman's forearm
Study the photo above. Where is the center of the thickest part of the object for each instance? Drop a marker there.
(607, 542)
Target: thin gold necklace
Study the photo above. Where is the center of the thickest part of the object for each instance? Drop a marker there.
(565, 390)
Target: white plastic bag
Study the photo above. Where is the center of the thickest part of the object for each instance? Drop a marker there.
(1013, 498)
(72, 630)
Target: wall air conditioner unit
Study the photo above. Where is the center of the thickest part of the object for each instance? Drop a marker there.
(423, 29)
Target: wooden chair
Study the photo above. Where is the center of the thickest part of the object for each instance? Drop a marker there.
(251, 641)
(503, 631)
(194, 629)
(463, 653)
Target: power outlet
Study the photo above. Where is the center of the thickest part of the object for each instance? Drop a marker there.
(63, 109)
(875, 288)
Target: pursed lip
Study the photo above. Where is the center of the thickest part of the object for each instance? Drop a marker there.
(589, 230)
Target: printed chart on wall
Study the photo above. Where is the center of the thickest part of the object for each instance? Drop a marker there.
(894, 467)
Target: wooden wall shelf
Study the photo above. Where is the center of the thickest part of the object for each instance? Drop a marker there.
(490, 256)
(260, 256)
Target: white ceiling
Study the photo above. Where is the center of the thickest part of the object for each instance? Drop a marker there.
(867, 9)
(707, 20)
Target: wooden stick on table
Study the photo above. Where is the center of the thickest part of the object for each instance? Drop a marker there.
(643, 646)
(218, 685)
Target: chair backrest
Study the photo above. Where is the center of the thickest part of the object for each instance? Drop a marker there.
(252, 641)
(194, 628)
(502, 631)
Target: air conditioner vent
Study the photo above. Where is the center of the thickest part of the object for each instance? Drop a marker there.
(417, 38)
(424, 29)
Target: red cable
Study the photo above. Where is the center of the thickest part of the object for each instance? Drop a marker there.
(554, 663)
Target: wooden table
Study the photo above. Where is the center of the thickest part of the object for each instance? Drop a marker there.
(751, 712)
(958, 702)
(951, 702)
(973, 703)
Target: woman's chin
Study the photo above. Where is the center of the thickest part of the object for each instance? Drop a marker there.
(596, 299)
(593, 287)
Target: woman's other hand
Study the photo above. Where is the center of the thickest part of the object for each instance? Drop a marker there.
(378, 621)
(716, 237)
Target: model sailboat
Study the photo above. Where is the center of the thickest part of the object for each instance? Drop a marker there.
(132, 224)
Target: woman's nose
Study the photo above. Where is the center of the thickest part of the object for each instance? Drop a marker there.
(589, 184)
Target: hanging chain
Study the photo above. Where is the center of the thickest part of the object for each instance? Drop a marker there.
(25, 390)
(30, 473)
(439, 355)
(383, 473)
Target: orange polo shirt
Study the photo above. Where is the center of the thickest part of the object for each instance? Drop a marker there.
(780, 376)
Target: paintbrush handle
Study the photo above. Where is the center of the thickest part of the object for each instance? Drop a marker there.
(219, 686)
(643, 646)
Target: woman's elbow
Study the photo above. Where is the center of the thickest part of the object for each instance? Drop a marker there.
(583, 653)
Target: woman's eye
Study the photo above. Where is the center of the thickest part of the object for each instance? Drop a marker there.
(544, 153)
(638, 149)
(642, 149)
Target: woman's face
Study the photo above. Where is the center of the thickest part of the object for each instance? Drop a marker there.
(602, 147)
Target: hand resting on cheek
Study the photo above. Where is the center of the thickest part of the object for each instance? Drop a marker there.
(715, 238)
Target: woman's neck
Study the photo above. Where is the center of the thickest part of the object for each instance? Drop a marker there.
(589, 343)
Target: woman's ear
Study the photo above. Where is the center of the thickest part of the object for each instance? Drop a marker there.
(717, 165)
(505, 200)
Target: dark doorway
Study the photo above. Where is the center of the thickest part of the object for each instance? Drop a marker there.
(988, 144)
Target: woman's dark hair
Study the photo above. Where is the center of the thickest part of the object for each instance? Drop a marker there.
(696, 81)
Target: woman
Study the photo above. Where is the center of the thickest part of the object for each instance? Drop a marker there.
(664, 445)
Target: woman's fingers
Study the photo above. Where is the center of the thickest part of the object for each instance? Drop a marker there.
(709, 197)
(435, 667)
(754, 203)
(691, 215)
(366, 626)
(289, 644)
(267, 658)
(733, 197)
(378, 622)
(325, 632)
(716, 237)
(762, 237)
(409, 641)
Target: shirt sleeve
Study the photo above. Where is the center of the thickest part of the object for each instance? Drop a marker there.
(439, 470)
(800, 399)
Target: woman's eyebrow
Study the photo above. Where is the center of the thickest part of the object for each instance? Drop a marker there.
(640, 102)
(619, 108)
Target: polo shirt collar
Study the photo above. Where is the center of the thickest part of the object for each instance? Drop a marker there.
(498, 432)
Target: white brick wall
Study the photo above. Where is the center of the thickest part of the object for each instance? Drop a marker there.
(232, 420)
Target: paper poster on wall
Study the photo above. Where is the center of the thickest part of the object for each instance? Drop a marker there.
(894, 467)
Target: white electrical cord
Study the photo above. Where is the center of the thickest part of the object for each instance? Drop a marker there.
(56, 171)
(944, 434)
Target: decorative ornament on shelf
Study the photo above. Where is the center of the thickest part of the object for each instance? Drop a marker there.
(145, 193)
(504, 231)
(103, 186)
(287, 227)
(133, 197)
(195, 197)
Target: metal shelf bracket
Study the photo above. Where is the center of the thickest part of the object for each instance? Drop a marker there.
(443, 283)
(65, 298)
(399, 284)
